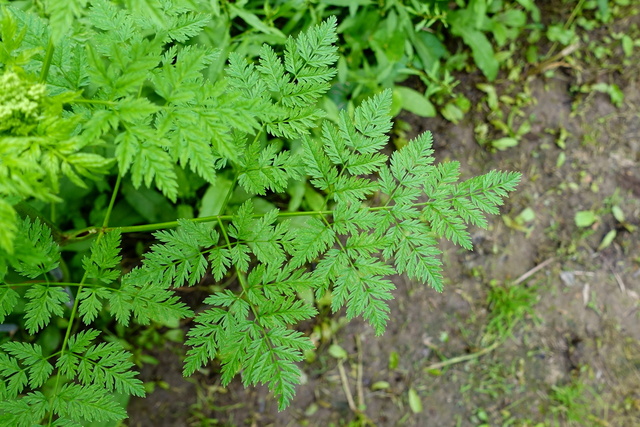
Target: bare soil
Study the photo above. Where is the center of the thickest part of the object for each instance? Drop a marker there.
(584, 337)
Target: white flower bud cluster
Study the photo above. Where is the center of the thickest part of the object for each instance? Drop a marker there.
(21, 104)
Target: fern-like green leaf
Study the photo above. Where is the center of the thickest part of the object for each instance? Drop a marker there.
(220, 261)
(263, 236)
(310, 241)
(26, 411)
(62, 14)
(205, 339)
(363, 293)
(105, 256)
(263, 349)
(145, 303)
(105, 365)
(44, 301)
(272, 282)
(143, 92)
(86, 404)
(10, 228)
(8, 300)
(318, 165)
(91, 301)
(38, 253)
(268, 169)
(15, 377)
(415, 252)
(39, 369)
(284, 312)
(68, 71)
(487, 191)
(445, 222)
(300, 81)
(182, 26)
(271, 360)
(179, 259)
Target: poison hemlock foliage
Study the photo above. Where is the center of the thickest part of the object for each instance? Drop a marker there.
(137, 100)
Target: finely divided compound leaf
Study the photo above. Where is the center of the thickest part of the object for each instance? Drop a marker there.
(30, 355)
(271, 359)
(364, 293)
(14, 376)
(265, 237)
(62, 14)
(145, 302)
(179, 258)
(108, 366)
(26, 411)
(268, 169)
(301, 81)
(84, 404)
(105, 256)
(44, 301)
(147, 94)
(310, 241)
(91, 301)
(264, 349)
(36, 252)
(8, 300)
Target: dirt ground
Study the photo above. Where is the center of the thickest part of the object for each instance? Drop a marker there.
(573, 357)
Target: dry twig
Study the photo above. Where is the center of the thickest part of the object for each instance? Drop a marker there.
(533, 271)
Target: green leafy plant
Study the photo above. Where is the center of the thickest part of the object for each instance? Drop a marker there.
(386, 42)
(140, 105)
(509, 306)
(572, 403)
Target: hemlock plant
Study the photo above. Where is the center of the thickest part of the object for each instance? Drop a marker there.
(127, 97)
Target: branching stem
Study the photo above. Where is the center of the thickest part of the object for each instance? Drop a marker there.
(76, 300)
(89, 232)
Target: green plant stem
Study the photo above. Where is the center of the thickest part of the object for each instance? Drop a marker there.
(88, 232)
(26, 284)
(243, 284)
(46, 64)
(65, 341)
(85, 233)
(76, 301)
(95, 101)
(223, 229)
(241, 278)
(112, 202)
(572, 17)
(229, 193)
(114, 104)
(574, 13)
